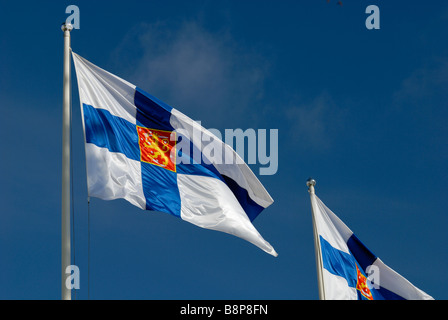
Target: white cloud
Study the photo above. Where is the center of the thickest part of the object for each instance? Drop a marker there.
(424, 84)
(208, 76)
(315, 123)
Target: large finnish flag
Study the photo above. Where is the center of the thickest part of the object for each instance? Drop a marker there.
(350, 270)
(133, 152)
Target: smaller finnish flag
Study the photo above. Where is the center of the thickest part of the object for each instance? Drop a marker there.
(140, 149)
(350, 271)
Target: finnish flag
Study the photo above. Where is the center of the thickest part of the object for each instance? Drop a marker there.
(350, 271)
(140, 149)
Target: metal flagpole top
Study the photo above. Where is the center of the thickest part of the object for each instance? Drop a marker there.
(67, 27)
(310, 184)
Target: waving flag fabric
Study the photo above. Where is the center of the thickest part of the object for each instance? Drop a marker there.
(350, 270)
(140, 149)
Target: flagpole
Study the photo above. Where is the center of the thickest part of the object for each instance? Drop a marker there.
(66, 119)
(318, 253)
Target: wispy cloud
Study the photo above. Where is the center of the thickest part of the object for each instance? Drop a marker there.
(315, 123)
(207, 75)
(424, 84)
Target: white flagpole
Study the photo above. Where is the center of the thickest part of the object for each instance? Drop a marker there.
(311, 183)
(66, 119)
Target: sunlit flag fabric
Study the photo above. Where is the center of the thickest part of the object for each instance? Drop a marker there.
(350, 270)
(140, 149)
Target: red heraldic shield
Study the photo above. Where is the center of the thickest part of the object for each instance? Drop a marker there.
(157, 147)
(361, 284)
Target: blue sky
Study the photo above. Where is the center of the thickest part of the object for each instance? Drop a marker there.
(362, 111)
